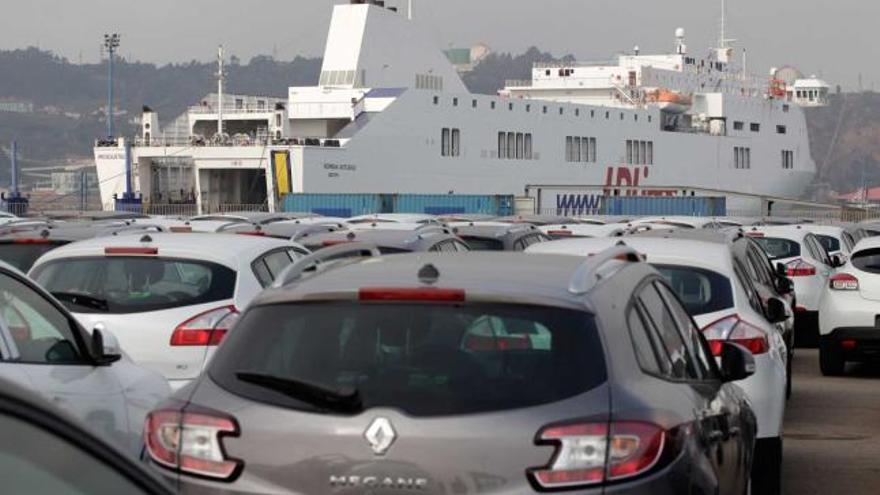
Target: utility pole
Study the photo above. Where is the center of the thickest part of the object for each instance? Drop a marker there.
(220, 78)
(111, 43)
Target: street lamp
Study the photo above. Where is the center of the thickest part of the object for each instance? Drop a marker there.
(111, 43)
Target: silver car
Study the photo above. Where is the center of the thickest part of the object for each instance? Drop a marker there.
(476, 373)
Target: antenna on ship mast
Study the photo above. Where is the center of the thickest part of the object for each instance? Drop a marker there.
(722, 42)
(220, 77)
(409, 10)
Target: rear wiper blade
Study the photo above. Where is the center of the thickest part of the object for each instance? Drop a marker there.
(343, 401)
(82, 300)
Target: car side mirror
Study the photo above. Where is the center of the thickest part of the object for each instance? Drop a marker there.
(776, 311)
(781, 270)
(737, 363)
(784, 286)
(105, 350)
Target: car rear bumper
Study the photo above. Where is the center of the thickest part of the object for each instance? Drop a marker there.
(856, 342)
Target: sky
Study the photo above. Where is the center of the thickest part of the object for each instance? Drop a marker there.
(829, 39)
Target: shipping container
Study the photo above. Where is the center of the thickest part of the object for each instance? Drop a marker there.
(691, 206)
(348, 205)
(334, 205)
(452, 204)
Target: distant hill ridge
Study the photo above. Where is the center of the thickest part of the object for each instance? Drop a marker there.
(68, 97)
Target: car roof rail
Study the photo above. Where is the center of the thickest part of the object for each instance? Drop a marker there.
(325, 256)
(587, 275)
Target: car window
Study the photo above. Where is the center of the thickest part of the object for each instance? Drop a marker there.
(41, 332)
(689, 332)
(664, 324)
(867, 260)
(762, 264)
(777, 248)
(484, 244)
(32, 460)
(821, 253)
(701, 291)
(124, 285)
(23, 255)
(848, 241)
(645, 351)
(423, 359)
(461, 247)
(746, 283)
(831, 244)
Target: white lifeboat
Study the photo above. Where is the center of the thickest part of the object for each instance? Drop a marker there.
(669, 101)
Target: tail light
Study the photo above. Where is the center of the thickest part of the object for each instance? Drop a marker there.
(559, 233)
(594, 453)
(844, 281)
(191, 442)
(799, 268)
(733, 329)
(205, 329)
(422, 294)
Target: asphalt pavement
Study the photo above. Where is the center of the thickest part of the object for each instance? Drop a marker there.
(832, 430)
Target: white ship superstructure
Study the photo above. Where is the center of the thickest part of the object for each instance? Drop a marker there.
(391, 115)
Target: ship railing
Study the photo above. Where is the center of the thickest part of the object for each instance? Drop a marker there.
(233, 141)
(574, 64)
(231, 109)
(517, 83)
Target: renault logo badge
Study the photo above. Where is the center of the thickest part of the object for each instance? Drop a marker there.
(380, 434)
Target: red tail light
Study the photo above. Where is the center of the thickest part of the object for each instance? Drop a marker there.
(180, 230)
(255, 233)
(593, 453)
(131, 251)
(799, 268)
(31, 241)
(733, 329)
(332, 243)
(205, 329)
(427, 294)
(844, 281)
(191, 442)
(559, 232)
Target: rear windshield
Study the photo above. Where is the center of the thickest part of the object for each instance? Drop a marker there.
(483, 244)
(121, 285)
(701, 291)
(779, 248)
(425, 360)
(24, 255)
(867, 260)
(831, 244)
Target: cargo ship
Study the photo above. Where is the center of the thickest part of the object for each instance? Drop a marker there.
(390, 115)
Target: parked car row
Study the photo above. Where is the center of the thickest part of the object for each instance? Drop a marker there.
(257, 352)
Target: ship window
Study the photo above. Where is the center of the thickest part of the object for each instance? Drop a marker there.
(785, 108)
(650, 157)
(528, 108)
(510, 106)
(239, 103)
(547, 72)
(780, 129)
(742, 157)
(436, 100)
(787, 159)
(755, 127)
(277, 120)
(621, 115)
(456, 142)
(650, 118)
(474, 103)
(511, 145)
(261, 104)
(629, 151)
(544, 109)
(502, 145)
(643, 153)
(738, 126)
(607, 115)
(561, 110)
(568, 147)
(593, 150)
(455, 102)
(527, 146)
(577, 112)
(519, 146)
(492, 105)
(444, 142)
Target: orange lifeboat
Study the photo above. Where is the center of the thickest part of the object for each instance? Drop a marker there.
(669, 101)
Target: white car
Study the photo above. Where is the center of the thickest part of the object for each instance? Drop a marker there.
(835, 239)
(169, 298)
(716, 291)
(805, 262)
(394, 218)
(683, 222)
(44, 349)
(849, 314)
(585, 230)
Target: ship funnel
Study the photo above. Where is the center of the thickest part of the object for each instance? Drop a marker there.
(680, 47)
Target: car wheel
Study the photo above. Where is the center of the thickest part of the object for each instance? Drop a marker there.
(767, 467)
(831, 360)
